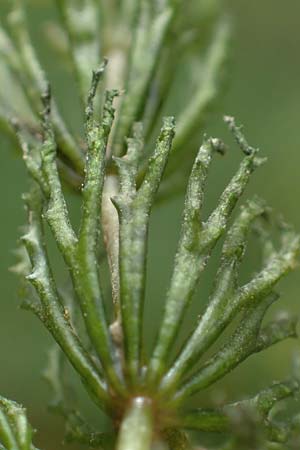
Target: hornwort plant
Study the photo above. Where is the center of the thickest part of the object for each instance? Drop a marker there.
(120, 172)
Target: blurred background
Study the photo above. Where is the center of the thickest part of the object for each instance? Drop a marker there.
(263, 92)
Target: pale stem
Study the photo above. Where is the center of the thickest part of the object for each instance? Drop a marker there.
(115, 69)
(110, 220)
(110, 227)
(115, 80)
(136, 432)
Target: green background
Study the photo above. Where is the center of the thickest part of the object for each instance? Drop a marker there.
(263, 93)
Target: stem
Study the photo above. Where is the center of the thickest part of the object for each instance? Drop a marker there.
(136, 432)
(110, 226)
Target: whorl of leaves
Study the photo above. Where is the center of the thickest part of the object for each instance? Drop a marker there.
(122, 171)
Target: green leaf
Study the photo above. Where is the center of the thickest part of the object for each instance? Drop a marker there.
(53, 314)
(134, 206)
(197, 241)
(15, 431)
(80, 21)
(33, 81)
(147, 45)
